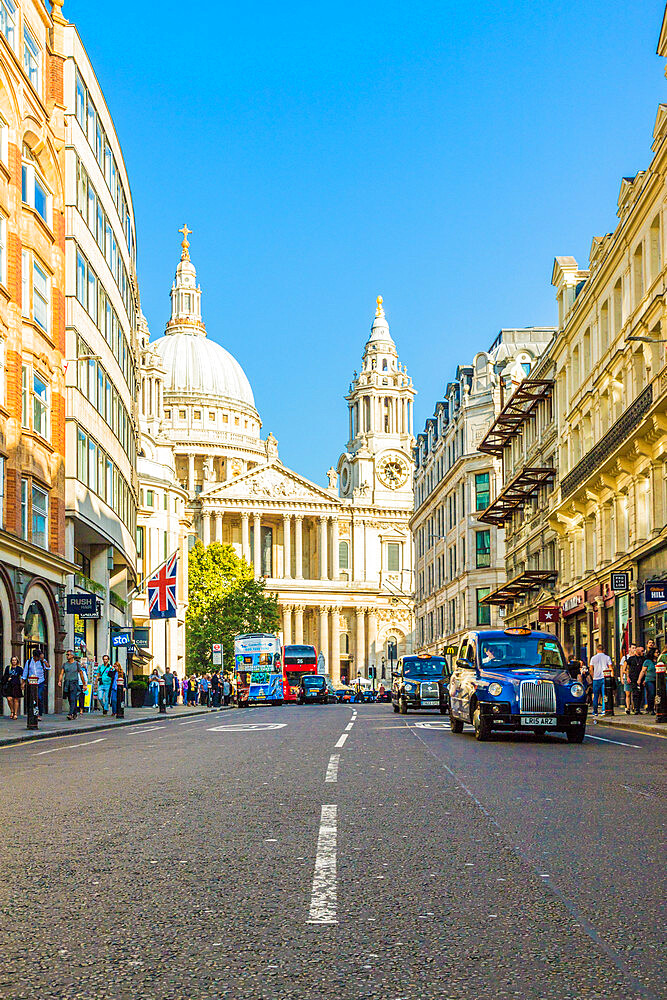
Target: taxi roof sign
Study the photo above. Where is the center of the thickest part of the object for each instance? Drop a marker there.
(518, 630)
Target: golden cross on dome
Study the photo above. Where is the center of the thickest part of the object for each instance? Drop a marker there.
(185, 245)
(379, 311)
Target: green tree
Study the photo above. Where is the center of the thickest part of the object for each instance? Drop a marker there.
(223, 601)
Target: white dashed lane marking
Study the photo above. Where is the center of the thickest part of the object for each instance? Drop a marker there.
(70, 746)
(332, 769)
(341, 742)
(323, 899)
(633, 746)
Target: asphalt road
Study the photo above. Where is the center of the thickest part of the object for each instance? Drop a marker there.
(189, 859)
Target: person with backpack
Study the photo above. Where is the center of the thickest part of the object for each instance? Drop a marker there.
(104, 678)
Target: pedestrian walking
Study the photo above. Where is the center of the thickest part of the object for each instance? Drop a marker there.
(11, 686)
(71, 678)
(104, 678)
(647, 678)
(169, 680)
(82, 687)
(117, 674)
(625, 677)
(227, 690)
(215, 689)
(192, 690)
(602, 665)
(203, 691)
(38, 666)
(153, 687)
(635, 667)
(587, 681)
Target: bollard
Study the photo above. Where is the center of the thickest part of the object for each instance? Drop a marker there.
(120, 699)
(608, 694)
(660, 705)
(161, 697)
(31, 706)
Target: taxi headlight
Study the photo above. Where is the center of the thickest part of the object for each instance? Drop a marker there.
(495, 689)
(409, 686)
(577, 690)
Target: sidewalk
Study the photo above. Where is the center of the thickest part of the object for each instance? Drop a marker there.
(14, 730)
(638, 723)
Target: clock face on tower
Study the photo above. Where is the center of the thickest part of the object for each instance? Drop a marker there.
(392, 470)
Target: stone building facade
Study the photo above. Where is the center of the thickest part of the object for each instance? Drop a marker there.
(33, 564)
(338, 557)
(459, 560)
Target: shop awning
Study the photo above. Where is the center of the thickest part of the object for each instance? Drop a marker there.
(520, 585)
(524, 486)
(514, 414)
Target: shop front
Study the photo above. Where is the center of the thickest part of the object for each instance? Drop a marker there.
(575, 626)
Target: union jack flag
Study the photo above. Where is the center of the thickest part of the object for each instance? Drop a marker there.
(162, 590)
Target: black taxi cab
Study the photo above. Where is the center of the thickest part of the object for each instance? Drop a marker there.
(420, 681)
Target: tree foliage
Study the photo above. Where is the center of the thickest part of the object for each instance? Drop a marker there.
(223, 601)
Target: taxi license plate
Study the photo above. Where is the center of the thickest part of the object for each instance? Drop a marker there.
(428, 702)
(538, 720)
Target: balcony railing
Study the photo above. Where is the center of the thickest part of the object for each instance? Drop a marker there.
(85, 583)
(116, 601)
(606, 446)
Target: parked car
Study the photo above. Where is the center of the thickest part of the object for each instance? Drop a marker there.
(515, 679)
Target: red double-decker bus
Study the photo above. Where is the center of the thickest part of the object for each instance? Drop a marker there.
(297, 661)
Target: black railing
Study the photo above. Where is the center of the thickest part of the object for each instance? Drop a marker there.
(607, 445)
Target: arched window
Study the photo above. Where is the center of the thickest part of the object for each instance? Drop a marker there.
(384, 364)
(345, 643)
(343, 555)
(35, 632)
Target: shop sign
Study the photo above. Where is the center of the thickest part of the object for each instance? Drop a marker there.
(121, 639)
(83, 605)
(572, 603)
(655, 591)
(142, 637)
(547, 613)
(620, 581)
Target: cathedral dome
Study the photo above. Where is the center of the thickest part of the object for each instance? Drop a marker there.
(199, 366)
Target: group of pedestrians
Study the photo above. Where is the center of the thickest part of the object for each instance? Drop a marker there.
(212, 690)
(15, 678)
(637, 678)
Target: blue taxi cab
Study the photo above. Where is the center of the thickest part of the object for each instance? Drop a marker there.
(515, 679)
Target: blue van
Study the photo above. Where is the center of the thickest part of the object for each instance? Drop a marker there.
(515, 679)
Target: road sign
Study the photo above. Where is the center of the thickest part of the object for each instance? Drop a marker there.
(121, 639)
(216, 654)
(620, 581)
(83, 605)
(655, 591)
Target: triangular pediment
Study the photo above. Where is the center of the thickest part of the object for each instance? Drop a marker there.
(272, 482)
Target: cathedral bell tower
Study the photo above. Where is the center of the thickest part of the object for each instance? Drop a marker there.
(377, 466)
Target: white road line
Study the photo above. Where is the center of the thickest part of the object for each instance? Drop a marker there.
(202, 718)
(332, 769)
(341, 742)
(70, 746)
(634, 746)
(349, 726)
(323, 899)
(143, 729)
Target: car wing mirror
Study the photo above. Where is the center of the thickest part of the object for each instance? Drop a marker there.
(464, 664)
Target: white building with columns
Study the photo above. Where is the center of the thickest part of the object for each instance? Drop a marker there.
(339, 558)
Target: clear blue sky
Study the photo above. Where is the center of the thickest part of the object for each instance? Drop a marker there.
(440, 154)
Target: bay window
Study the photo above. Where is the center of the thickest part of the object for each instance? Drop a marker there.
(40, 405)
(40, 516)
(40, 296)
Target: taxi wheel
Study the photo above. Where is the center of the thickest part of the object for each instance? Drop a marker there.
(455, 725)
(482, 728)
(576, 735)
(403, 706)
(395, 707)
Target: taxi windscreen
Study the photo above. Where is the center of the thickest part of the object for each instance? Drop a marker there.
(313, 680)
(510, 651)
(417, 666)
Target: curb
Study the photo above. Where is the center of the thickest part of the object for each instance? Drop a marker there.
(654, 730)
(106, 725)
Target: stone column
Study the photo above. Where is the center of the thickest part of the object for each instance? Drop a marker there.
(206, 528)
(324, 635)
(335, 543)
(287, 547)
(372, 637)
(287, 624)
(298, 624)
(299, 546)
(360, 643)
(245, 536)
(218, 526)
(191, 473)
(334, 670)
(257, 544)
(324, 548)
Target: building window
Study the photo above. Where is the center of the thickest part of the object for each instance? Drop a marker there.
(482, 548)
(343, 555)
(24, 508)
(31, 58)
(167, 414)
(483, 610)
(2, 492)
(211, 415)
(25, 412)
(40, 406)
(140, 542)
(393, 557)
(482, 491)
(34, 192)
(40, 296)
(197, 414)
(150, 498)
(40, 516)
(8, 21)
(3, 350)
(81, 457)
(181, 414)
(3, 251)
